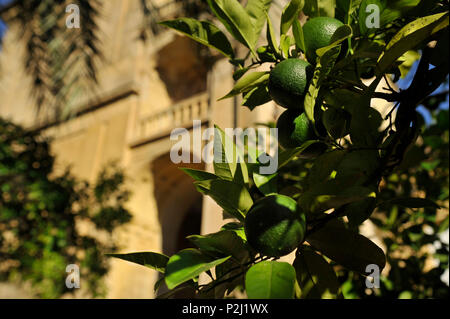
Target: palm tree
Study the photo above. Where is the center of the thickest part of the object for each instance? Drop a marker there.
(59, 62)
(56, 60)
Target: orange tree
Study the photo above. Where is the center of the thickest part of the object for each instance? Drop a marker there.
(339, 162)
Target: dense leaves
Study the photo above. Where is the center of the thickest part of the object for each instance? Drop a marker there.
(357, 168)
(40, 211)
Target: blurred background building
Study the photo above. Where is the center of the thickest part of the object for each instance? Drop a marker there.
(150, 82)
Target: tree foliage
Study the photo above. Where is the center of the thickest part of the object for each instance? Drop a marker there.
(396, 176)
(44, 217)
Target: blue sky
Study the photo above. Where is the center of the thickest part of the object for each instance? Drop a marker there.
(2, 25)
(404, 84)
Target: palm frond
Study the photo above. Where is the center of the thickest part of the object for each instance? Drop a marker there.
(57, 59)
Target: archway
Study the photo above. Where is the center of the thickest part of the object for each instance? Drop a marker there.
(179, 203)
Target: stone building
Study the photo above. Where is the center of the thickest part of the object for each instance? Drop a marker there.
(147, 88)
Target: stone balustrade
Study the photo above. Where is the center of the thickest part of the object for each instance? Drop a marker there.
(179, 115)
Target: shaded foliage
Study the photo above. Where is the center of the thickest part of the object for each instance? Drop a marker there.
(49, 220)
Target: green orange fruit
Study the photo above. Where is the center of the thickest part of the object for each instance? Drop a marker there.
(294, 129)
(275, 225)
(289, 81)
(318, 33)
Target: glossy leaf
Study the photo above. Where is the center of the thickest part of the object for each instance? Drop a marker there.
(285, 44)
(232, 197)
(340, 35)
(256, 10)
(360, 211)
(319, 8)
(237, 228)
(236, 19)
(188, 264)
(223, 243)
(270, 280)
(325, 62)
(199, 175)
(315, 276)
(267, 184)
(285, 156)
(289, 14)
(357, 166)
(247, 82)
(332, 194)
(229, 160)
(148, 259)
(409, 37)
(347, 248)
(324, 165)
(345, 9)
(271, 38)
(299, 37)
(203, 32)
(256, 97)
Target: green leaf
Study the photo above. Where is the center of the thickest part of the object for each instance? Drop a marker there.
(408, 59)
(398, 9)
(289, 14)
(224, 243)
(325, 62)
(319, 8)
(270, 280)
(326, 57)
(331, 194)
(239, 73)
(299, 37)
(411, 202)
(256, 97)
(188, 264)
(345, 9)
(285, 44)
(347, 248)
(324, 165)
(365, 123)
(158, 284)
(267, 184)
(409, 37)
(203, 32)
(229, 162)
(340, 35)
(256, 10)
(360, 211)
(199, 175)
(270, 35)
(357, 166)
(315, 277)
(148, 259)
(247, 82)
(236, 20)
(285, 156)
(237, 228)
(232, 197)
